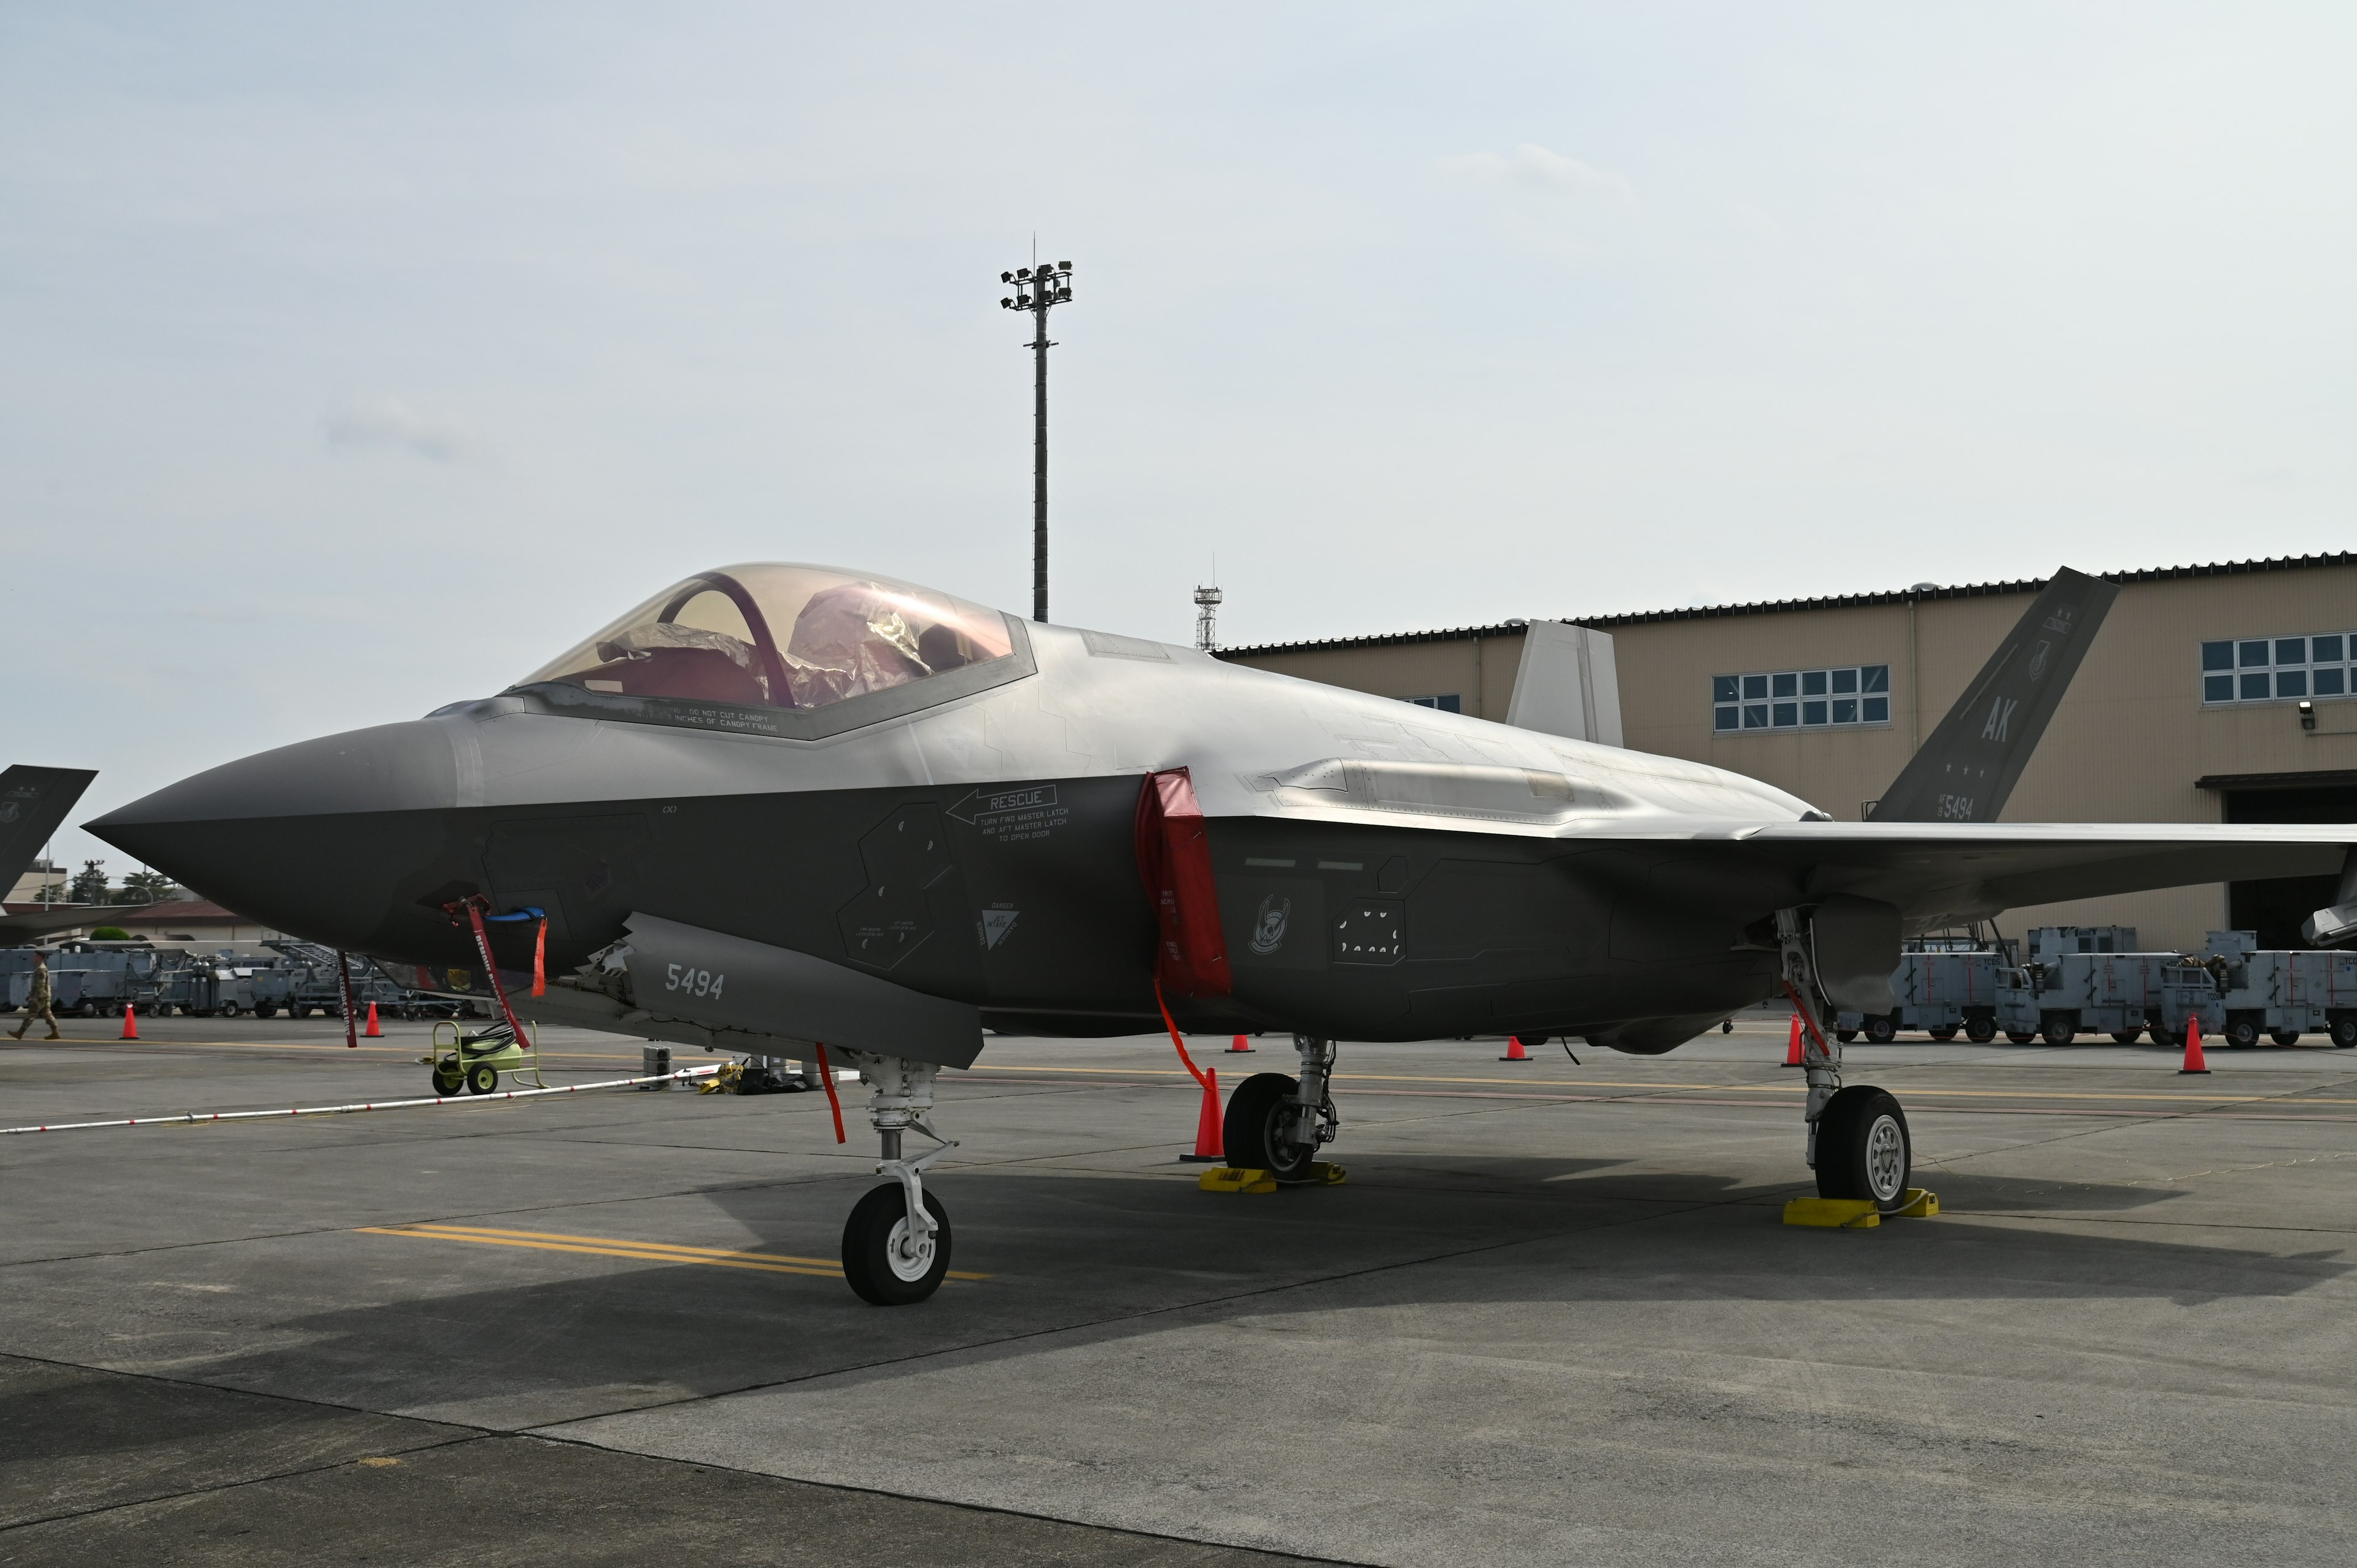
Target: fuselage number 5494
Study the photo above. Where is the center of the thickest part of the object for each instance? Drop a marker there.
(695, 982)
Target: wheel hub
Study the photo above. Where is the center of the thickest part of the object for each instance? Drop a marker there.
(911, 1258)
(1886, 1158)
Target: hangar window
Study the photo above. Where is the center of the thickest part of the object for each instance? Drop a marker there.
(725, 649)
(2278, 668)
(1802, 699)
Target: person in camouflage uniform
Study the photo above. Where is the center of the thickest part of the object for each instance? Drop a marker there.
(36, 1000)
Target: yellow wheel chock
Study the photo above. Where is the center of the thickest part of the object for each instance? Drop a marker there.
(1858, 1213)
(1229, 1179)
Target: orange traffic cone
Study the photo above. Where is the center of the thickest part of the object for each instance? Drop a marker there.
(1236, 1047)
(1514, 1052)
(1793, 1045)
(2193, 1058)
(130, 1022)
(1207, 1148)
(372, 1032)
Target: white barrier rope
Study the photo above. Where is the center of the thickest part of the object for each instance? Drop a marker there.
(189, 1116)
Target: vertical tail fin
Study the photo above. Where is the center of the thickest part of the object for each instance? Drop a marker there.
(1964, 772)
(33, 802)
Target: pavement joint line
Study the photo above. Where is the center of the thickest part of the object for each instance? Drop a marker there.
(2078, 1217)
(465, 1432)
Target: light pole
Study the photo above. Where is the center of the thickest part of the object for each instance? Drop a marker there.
(1037, 289)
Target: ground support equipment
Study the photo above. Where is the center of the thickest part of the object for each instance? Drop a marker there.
(475, 1061)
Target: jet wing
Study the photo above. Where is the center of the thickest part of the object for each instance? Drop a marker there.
(1942, 874)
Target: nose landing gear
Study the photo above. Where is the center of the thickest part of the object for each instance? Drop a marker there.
(895, 1245)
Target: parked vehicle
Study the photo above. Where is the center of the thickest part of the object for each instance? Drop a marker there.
(2083, 979)
(1944, 985)
(2241, 994)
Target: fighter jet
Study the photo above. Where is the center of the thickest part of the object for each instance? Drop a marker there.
(776, 808)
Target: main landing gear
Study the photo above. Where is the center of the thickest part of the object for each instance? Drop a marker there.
(895, 1245)
(1858, 1142)
(1277, 1124)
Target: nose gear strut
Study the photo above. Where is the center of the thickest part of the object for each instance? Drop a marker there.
(895, 1245)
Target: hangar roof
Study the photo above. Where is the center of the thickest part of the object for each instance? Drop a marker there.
(1778, 607)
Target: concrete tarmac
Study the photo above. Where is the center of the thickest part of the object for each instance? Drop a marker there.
(1551, 1317)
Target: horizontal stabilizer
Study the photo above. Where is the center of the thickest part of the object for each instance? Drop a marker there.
(1966, 770)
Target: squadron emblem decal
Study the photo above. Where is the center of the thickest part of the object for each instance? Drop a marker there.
(1268, 926)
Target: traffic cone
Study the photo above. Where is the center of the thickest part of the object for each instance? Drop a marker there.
(130, 1022)
(372, 1032)
(1236, 1047)
(1793, 1045)
(2193, 1058)
(1514, 1052)
(1207, 1148)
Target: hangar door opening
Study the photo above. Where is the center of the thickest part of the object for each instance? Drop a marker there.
(2274, 907)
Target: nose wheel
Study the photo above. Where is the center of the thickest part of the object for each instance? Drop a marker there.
(887, 1262)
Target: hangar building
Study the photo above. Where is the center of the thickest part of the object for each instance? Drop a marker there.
(2189, 707)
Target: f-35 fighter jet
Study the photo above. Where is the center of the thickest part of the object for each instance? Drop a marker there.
(782, 805)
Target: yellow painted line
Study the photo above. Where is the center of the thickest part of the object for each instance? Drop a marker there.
(599, 1251)
(1912, 1090)
(606, 1246)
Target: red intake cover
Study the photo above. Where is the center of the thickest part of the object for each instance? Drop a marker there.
(1174, 859)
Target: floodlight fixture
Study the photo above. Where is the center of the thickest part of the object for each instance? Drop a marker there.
(1038, 287)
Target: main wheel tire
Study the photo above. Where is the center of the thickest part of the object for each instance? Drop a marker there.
(448, 1081)
(2284, 1037)
(1844, 1036)
(231, 1010)
(877, 1261)
(1250, 1133)
(1943, 1034)
(1864, 1150)
(2344, 1032)
(2126, 1036)
(1880, 1030)
(2019, 1039)
(2057, 1030)
(482, 1078)
(2241, 1033)
(1980, 1031)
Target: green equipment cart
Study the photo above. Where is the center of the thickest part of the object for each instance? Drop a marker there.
(474, 1061)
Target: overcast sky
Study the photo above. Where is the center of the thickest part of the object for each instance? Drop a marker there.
(354, 361)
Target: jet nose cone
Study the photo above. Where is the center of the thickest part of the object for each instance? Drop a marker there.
(320, 839)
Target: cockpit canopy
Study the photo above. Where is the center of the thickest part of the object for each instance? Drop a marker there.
(775, 635)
